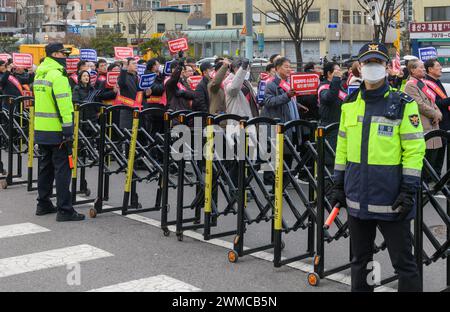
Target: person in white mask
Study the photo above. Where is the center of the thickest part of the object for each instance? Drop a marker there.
(378, 166)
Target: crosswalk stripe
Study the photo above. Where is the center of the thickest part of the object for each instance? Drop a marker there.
(20, 229)
(50, 259)
(159, 283)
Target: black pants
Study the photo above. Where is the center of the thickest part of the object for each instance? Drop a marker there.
(54, 166)
(397, 235)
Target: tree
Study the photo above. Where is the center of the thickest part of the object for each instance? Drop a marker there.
(383, 13)
(78, 41)
(292, 14)
(105, 43)
(141, 14)
(7, 44)
(155, 45)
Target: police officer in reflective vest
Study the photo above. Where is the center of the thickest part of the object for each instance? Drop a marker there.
(378, 165)
(54, 133)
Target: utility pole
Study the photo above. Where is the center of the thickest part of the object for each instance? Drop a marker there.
(249, 26)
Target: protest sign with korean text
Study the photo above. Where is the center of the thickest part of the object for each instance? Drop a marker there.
(5, 57)
(121, 53)
(146, 81)
(194, 81)
(305, 83)
(22, 60)
(89, 55)
(71, 65)
(111, 79)
(178, 45)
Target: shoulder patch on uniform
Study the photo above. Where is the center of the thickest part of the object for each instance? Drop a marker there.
(414, 120)
(352, 97)
(405, 97)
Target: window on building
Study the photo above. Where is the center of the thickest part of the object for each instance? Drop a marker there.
(160, 28)
(110, 5)
(334, 16)
(437, 14)
(272, 18)
(199, 8)
(221, 19)
(132, 29)
(178, 26)
(313, 16)
(256, 18)
(106, 26)
(2, 17)
(357, 17)
(186, 7)
(238, 19)
(346, 17)
(143, 27)
(88, 7)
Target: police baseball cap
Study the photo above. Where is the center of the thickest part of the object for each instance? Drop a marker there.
(373, 50)
(56, 47)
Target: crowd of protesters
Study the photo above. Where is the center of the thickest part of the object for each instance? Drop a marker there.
(226, 87)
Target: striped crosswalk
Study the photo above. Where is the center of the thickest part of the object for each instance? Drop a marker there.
(53, 258)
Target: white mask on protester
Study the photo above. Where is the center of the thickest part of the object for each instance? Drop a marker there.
(247, 76)
(161, 69)
(373, 72)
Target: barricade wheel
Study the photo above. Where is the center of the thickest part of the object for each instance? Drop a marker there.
(3, 172)
(313, 279)
(88, 192)
(92, 213)
(166, 232)
(283, 244)
(233, 256)
(180, 237)
(4, 184)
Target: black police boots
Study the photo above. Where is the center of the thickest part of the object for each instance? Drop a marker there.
(74, 216)
(41, 211)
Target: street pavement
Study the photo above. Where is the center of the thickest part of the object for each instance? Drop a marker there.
(130, 253)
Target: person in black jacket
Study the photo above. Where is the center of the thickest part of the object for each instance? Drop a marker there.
(84, 92)
(178, 92)
(330, 98)
(129, 87)
(201, 101)
(19, 76)
(434, 73)
(156, 91)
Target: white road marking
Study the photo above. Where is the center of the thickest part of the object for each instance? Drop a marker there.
(50, 259)
(159, 283)
(21, 229)
(263, 255)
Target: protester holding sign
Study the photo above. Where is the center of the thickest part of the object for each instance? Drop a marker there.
(179, 93)
(330, 98)
(430, 114)
(216, 91)
(280, 103)
(155, 93)
(201, 102)
(16, 81)
(130, 94)
(108, 92)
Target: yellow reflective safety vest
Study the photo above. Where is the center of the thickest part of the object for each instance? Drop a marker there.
(380, 148)
(53, 103)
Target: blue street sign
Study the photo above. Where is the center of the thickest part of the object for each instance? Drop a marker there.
(427, 53)
(332, 25)
(141, 69)
(146, 81)
(88, 55)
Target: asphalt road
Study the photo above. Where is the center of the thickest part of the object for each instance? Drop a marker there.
(131, 253)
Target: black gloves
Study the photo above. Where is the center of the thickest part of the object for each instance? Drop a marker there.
(245, 63)
(338, 196)
(404, 203)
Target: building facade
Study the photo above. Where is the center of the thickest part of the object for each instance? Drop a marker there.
(431, 27)
(196, 8)
(156, 21)
(8, 17)
(333, 28)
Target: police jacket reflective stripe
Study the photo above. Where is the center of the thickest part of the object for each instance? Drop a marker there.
(53, 103)
(380, 148)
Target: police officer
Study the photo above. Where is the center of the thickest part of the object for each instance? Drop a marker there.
(378, 165)
(53, 133)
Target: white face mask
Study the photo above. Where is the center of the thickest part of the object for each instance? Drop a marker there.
(161, 69)
(373, 72)
(247, 76)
